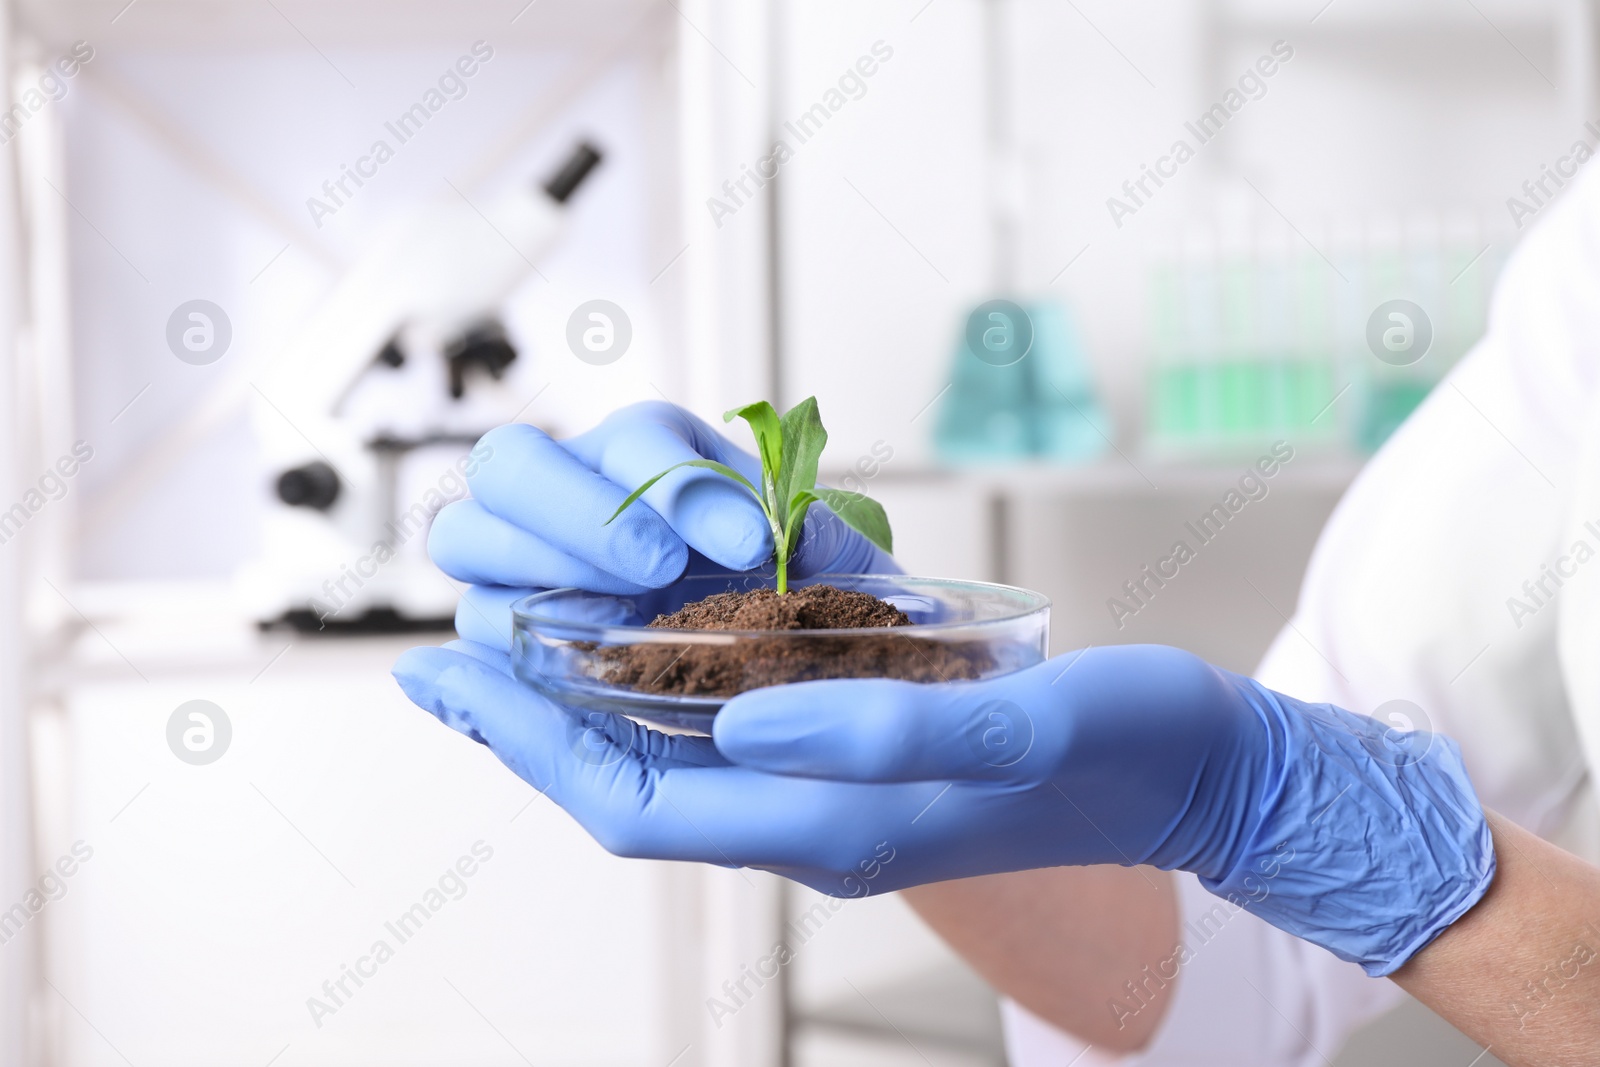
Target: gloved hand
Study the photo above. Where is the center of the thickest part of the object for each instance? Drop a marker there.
(1365, 842)
(537, 517)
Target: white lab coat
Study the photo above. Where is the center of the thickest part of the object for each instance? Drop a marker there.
(1409, 595)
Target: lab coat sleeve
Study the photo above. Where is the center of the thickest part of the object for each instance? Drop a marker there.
(1428, 603)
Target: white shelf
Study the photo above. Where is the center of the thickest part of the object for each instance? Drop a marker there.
(179, 24)
(1136, 475)
(1383, 16)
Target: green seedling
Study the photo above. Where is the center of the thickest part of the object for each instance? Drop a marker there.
(790, 448)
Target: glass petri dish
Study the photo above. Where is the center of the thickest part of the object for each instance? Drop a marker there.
(595, 650)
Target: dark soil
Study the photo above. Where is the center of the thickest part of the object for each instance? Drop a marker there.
(816, 607)
(726, 670)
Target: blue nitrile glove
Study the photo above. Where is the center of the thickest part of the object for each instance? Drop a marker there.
(537, 517)
(1361, 840)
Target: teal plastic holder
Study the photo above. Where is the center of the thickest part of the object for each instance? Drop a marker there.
(1021, 389)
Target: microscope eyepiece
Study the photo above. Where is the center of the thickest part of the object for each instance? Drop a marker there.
(315, 485)
(565, 181)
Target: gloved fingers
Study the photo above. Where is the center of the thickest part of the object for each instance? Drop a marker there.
(609, 736)
(497, 658)
(598, 738)
(847, 883)
(713, 514)
(600, 779)
(733, 815)
(547, 746)
(483, 614)
(532, 482)
(472, 544)
(828, 546)
(418, 672)
(881, 730)
(680, 750)
(711, 814)
(654, 747)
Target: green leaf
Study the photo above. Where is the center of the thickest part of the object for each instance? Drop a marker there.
(709, 464)
(803, 442)
(793, 522)
(768, 429)
(861, 513)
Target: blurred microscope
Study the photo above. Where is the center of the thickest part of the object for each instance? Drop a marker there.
(368, 423)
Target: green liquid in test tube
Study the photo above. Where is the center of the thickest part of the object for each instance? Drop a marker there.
(1230, 368)
(1170, 409)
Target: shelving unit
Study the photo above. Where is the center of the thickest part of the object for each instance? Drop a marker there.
(711, 115)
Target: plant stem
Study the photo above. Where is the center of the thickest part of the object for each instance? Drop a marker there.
(777, 520)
